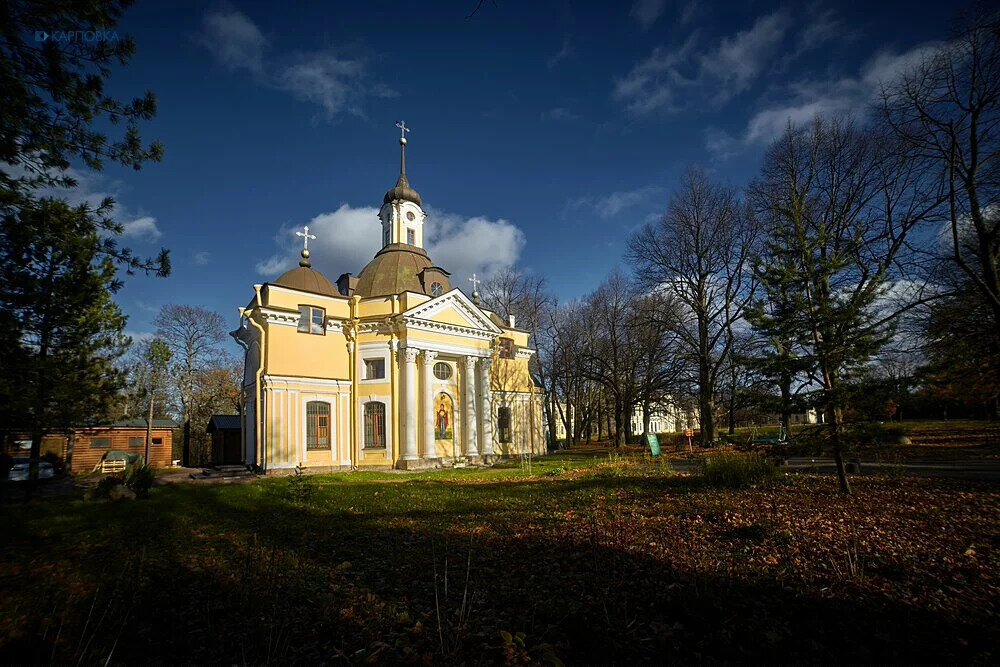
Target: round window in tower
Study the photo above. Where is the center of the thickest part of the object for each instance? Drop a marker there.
(436, 289)
(409, 216)
(442, 371)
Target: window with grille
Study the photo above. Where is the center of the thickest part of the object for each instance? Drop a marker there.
(442, 371)
(436, 289)
(317, 425)
(411, 237)
(374, 425)
(506, 348)
(374, 369)
(312, 320)
(503, 424)
(136, 442)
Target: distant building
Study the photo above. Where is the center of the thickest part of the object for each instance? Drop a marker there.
(83, 448)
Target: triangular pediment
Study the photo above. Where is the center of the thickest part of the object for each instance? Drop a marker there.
(453, 308)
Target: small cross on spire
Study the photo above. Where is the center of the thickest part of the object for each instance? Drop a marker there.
(401, 124)
(305, 246)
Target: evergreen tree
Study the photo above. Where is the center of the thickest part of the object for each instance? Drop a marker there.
(60, 328)
(65, 331)
(845, 201)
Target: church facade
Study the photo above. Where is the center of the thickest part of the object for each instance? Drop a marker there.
(394, 367)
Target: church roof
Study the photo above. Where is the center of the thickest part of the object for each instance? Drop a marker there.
(306, 279)
(402, 190)
(395, 269)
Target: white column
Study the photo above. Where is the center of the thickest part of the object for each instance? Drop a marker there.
(485, 407)
(409, 392)
(430, 451)
(470, 407)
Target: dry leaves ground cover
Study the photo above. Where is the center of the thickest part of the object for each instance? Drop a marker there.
(584, 560)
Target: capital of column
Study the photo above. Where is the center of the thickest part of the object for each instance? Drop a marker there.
(485, 363)
(429, 356)
(470, 363)
(410, 354)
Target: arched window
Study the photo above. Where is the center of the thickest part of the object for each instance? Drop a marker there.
(317, 425)
(374, 425)
(503, 424)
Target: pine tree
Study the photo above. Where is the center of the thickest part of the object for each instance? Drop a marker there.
(65, 330)
(843, 201)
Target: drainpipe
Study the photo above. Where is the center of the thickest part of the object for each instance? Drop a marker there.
(355, 398)
(256, 384)
(241, 402)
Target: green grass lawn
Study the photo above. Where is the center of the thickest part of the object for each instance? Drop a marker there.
(587, 558)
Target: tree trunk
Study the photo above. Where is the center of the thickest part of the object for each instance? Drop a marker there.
(838, 454)
(619, 423)
(149, 427)
(645, 417)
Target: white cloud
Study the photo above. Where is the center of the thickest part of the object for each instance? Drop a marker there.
(669, 80)
(800, 102)
(201, 258)
(611, 205)
(348, 238)
(92, 189)
(140, 336)
(234, 39)
(143, 228)
(645, 12)
(559, 114)
(562, 54)
(335, 82)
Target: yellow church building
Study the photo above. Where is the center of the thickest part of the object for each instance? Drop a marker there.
(394, 367)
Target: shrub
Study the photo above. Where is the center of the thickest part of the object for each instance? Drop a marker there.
(102, 490)
(139, 477)
(732, 470)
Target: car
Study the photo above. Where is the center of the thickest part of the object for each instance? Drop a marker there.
(19, 472)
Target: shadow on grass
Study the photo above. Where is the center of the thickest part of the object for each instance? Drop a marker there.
(367, 570)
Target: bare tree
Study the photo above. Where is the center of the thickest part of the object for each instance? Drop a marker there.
(947, 111)
(193, 335)
(699, 252)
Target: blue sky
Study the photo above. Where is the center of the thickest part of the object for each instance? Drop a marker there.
(543, 132)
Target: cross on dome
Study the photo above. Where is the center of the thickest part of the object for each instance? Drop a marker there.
(475, 285)
(305, 246)
(305, 237)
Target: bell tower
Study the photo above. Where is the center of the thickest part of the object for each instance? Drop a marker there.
(401, 215)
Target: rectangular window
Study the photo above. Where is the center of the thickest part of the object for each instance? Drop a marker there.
(374, 369)
(506, 348)
(503, 424)
(100, 443)
(317, 425)
(387, 236)
(312, 320)
(157, 441)
(375, 425)
(411, 237)
(136, 442)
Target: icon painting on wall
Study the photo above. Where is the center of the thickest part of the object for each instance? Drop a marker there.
(443, 417)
